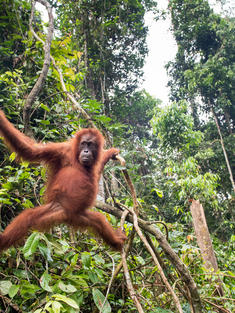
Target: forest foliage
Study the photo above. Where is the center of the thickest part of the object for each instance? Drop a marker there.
(175, 153)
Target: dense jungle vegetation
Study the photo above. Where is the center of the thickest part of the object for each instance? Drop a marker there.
(178, 155)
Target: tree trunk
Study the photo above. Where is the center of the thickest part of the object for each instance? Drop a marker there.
(223, 148)
(101, 193)
(203, 239)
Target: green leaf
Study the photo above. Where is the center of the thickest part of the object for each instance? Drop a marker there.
(93, 277)
(67, 288)
(25, 164)
(44, 282)
(67, 300)
(42, 190)
(99, 300)
(5, 286)
(158, 192)
(45, 122)
(7, 186)
(47, 306)
(31, 244)
(45, 107)
(45, 251)
(56, 306)
(26, 288)
(86, 259)
(5, 201)
(13, 290)
(104, 119)
(74, 259)
(27, 204)
(12, 156)
(155, 207)
(43, 173)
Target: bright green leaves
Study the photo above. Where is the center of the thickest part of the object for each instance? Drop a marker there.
(64, 279)
(174, 128)
(31, 244)
(86, 259)
(190, 183)
(45, 280)
(100, 302)
(16, 185)
(13, 290)
(70, 302)
(67, 288)
(5, 286)
(158, 192)
(57, 305)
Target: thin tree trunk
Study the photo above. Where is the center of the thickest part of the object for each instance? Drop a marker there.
(223, 147)
(203, 235)
(101, 193)
(204, 239)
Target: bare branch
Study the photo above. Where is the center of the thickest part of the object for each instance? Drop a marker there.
(218, 307)
(9, 303)
(126, 271)
(150, 250)
(110, 282)
(223, 148)
(129, 182)
(70, 96)
(125, 251)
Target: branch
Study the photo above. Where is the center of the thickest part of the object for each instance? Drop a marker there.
(125, 251)
(129, 182)
(42, 77)
(148, 247)
(223, 147)
(9, 303)
(126, 271)
(220, 308)
(172, 256)
(128, 245)
(68, 94)
(110, 283)
(164, 266)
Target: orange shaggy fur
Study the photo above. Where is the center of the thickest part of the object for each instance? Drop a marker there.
(71, 188)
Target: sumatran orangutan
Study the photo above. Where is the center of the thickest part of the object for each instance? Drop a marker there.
(74, 169)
